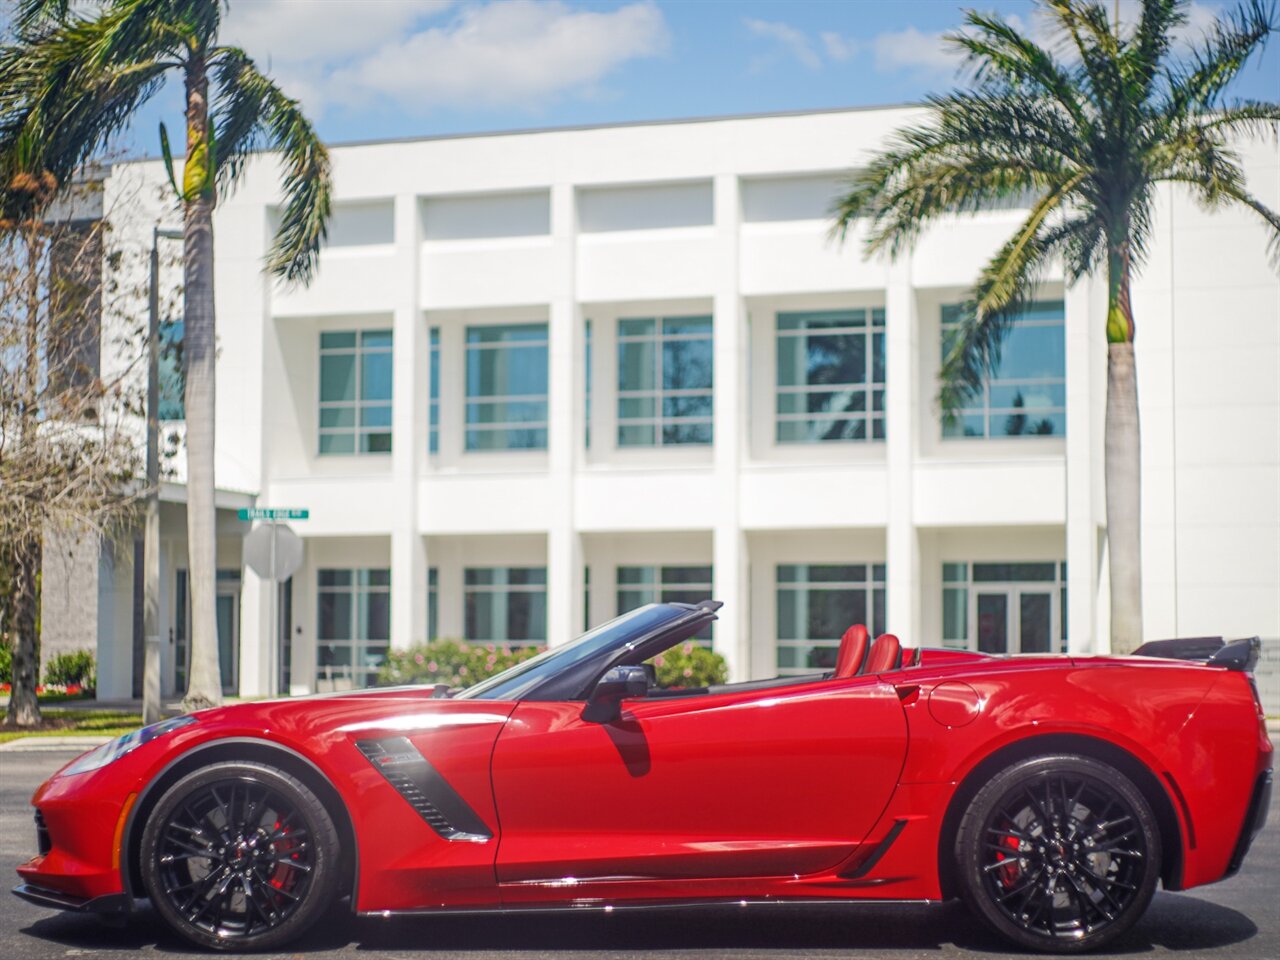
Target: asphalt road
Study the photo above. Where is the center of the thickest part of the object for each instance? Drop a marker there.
(1238, 919)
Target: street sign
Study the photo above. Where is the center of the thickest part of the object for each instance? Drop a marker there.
(273, 513)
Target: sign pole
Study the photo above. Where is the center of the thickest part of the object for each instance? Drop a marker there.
(273, 647)
(273, 551)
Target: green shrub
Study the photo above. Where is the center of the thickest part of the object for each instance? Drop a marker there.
(457, 663)
(690, 665)
(71, 669)
(6, 660)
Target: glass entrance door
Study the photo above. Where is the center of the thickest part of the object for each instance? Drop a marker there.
(992, 628)
(1035, 621)
(227, 613)
(1014, 619)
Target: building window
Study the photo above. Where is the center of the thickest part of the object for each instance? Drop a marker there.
(830, 371)
(1005, 607)
(817, 603)
(506, 604)
(173, 374)
(665, 584)
(1026, 394)
(353, 626)
(433, 404)
(664, 381)
(507, 387)
(355, 392)
(433, 603)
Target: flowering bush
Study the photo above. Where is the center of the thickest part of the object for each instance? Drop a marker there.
(457, 663)
(690, 665)
(71, 670)
(6, 660)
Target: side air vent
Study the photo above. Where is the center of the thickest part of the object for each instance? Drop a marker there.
(422, 786)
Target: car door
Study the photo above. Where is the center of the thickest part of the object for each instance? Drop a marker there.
(760, 781)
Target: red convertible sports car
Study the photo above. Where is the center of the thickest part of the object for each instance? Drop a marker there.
(1052, 793)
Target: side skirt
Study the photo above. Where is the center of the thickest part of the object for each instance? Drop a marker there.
(597, 905)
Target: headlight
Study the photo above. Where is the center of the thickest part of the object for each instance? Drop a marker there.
(117, 748)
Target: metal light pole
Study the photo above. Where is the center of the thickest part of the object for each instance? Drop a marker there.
(151, 535)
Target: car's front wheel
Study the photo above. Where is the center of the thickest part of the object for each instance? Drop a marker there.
(239, 856)
(1059, 853)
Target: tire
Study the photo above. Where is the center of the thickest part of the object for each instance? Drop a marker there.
(1059, 854)
(239, 856)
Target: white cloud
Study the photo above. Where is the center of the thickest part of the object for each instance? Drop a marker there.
(838, 48)
(915, 50)
(930, 53)
(793, 41)
(405, 53)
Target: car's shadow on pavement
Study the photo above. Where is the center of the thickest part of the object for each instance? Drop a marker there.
(1175, 922)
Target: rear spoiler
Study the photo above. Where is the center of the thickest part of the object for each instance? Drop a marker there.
(1242, 655)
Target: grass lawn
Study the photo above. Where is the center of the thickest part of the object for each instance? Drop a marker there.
(70, 723)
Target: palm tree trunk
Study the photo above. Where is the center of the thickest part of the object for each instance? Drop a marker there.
(1123, 466)
(199, 355)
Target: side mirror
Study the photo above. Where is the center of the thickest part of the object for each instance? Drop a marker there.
(619, 683)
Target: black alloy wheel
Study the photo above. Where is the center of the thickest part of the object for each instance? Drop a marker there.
(1059, 854)
(239, 856)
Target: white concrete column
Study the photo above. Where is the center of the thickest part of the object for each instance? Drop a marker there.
(255, 635)
(565, 422)
(1086, 384)
(902, 425)
(450, 618)
(409, 434)
(729, 412)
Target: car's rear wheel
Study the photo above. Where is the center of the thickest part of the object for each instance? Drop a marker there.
(239, 856)
(1059, 854)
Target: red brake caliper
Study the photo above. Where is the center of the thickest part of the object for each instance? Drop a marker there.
(1009, 874)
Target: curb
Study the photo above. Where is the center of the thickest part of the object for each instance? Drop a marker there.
(52, 744)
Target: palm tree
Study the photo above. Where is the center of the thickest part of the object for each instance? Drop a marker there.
(1087, 128)
(71, 82)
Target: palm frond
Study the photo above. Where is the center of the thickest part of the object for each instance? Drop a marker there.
(33, 14)
(252, 111)
(71, 113)
(999, 52)
(998, 297)
(1219, 58)
(74, 86)
(1154, 35)
(979, 149)
(1098, 48)
(1248, 118)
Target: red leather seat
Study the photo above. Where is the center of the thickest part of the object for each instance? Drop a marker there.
(853, 651)
(886, 654)
(910, 657)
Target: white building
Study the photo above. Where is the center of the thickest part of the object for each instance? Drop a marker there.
(542, 377)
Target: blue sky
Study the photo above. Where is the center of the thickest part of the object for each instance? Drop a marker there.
(372, 69)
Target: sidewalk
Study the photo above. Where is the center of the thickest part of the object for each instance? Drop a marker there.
(77, 742)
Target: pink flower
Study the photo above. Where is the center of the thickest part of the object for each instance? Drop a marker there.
(688, 671)
(658, 661)
(462, 671)
(419, 659)
(433, 666)
(688, 651)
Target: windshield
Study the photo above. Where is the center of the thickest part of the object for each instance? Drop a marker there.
(514, 683)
